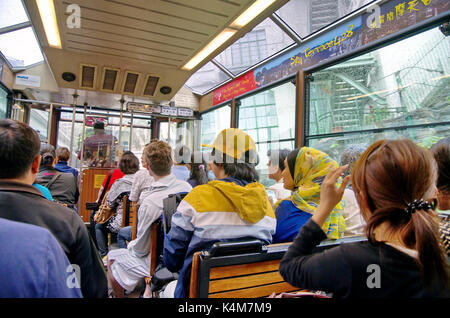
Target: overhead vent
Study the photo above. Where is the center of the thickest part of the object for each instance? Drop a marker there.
(88, 76)
(109, 81)
(150, 85)
(130, 82)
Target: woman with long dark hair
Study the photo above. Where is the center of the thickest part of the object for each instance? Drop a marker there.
(394, 182)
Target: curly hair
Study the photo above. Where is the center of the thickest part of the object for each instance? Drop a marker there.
(158, 156)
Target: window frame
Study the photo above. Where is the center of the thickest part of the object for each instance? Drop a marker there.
(307, 77)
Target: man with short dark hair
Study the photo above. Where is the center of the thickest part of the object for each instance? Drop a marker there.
(21, 202)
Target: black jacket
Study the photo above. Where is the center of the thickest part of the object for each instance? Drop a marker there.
(350, 270)
(24, 203)
(64, 189)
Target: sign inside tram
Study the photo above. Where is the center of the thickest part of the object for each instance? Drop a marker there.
(142, 107)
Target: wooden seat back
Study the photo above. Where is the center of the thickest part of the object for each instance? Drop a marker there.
(249, 275)
(130, 215)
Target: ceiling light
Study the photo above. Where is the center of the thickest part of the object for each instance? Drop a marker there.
(249, 14)
(211, 47)
(48, 17)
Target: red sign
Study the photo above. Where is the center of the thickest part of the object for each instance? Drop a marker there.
(90, 120)
(238, 86)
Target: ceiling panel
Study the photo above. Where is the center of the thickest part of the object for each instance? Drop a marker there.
(155, 37)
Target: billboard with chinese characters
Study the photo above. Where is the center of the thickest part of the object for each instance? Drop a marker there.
(374, 24)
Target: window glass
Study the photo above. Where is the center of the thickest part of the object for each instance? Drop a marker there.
(269, 118)
(39, 122)
(214, 122)
(11, 12)
(308, 16)
(64, 132)
(3, 103)
(263, 41)
(206, 78)
(335, 146)
(20, 47)
(400, 85)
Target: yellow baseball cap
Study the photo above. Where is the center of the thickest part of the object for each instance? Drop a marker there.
(233, 142)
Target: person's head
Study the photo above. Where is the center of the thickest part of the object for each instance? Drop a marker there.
(158, 156)
(48, 155)
(129, 163)
(234, 155)
(441, 153)
(349, 157)
(99, 127)
(198, 168)
(304, 173)
(182, 155)
(63, 154)
(19, 150)
(388, 177)
(306, 166)
(276, 162)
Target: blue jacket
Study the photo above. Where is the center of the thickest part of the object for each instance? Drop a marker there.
(33, 264)
(289, 221)
(221, 210)
(62, 166)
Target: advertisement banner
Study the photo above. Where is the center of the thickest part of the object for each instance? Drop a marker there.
(377, 22)
(238, 86)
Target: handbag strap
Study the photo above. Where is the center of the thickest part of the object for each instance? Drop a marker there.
(106, 186)
(50, 183)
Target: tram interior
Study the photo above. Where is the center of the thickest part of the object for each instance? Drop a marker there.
(155, 70)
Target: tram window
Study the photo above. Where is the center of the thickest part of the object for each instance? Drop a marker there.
(64, 134)
(403, 84)
(3, 103)
(39, 122)
(308, 16)
(214, 122)
(269, 118)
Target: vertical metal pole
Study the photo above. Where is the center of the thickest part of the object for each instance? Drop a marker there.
(75, 96)
(122, 101)
(49, 125)
(131, 132)
(83, 134)
(168, 130)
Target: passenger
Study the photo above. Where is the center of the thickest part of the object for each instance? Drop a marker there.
(126, 267)
(354, 222)
(142, 182)
(182, 156)
(403, 256)
(100, 147)
(128, 164)
(63, 155)
(305, 170)
(33, 265)
(21, 202)
(116, 175)
(45, 192)
(198, 170)
(234, 206)
(62, 186)
(139, 190)
(276, 167)
(441, 152)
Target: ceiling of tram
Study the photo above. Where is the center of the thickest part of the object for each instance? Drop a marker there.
(136, 40)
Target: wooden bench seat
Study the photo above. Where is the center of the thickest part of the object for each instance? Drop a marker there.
(247, 275)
